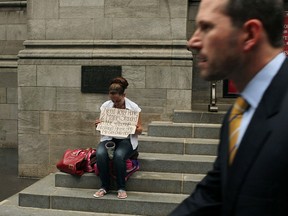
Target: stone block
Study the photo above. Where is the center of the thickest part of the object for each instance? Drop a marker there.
(16, 32)
(72, 123)
(142, 28)
(190, 182)
(168, 77)
(185, 116)
(170, 131)
(8, 79)
(151, 100)
(33, 149)
(178, 99)
(37, 98)
(209, 131)
(147, 93)
(52, 9)
(12, 47)
(36, 201)
(71, 99)
(161, 145)
(3, 95)
(12, 95)
(77, 3)
(131, 9)
(201, 149)
(28, 122)
(103, 28)
(3, 32)
(135, 75)
(42, 9)
(8, 133)
(60, 143)
(27, 75)
(173, 8)
(17, 16)
(179, 27)
(69, 29)
(36, 29)
(86, 181)
(62, 76)
(35, 170)
(3, 17)
(8, 111)
(81, 12)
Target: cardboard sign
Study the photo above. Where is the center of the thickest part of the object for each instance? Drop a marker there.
(117, 122)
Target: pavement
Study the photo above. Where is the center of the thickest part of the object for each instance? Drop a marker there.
(10, 183)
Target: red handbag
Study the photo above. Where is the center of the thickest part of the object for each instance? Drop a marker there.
(73, 161)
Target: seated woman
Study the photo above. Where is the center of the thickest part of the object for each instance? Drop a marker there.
(125, 147)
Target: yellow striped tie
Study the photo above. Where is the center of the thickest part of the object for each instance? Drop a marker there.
(240, 106)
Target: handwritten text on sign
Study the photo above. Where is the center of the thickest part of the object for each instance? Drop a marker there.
(117, 122)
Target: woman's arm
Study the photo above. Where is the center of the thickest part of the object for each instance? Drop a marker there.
(139, 128)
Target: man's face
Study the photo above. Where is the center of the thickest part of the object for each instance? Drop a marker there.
(216, 42)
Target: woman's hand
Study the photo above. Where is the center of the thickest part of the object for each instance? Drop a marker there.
(97, 121)
(139, 129)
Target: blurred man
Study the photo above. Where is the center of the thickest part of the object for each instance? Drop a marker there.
(241, 40)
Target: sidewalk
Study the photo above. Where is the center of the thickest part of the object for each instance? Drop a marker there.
(10, 183)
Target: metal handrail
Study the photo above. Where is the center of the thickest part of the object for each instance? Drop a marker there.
(212, 107)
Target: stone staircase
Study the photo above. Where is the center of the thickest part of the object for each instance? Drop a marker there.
(174, 156)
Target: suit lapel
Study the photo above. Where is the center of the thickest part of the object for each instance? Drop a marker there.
(257, 132)
(224, 152)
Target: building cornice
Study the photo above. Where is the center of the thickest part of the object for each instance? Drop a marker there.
(13, 4)
(105, 49)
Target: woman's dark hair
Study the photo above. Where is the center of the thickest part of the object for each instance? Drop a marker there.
(269, 12)
(118, 85)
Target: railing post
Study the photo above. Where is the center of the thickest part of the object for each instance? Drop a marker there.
(212, 107)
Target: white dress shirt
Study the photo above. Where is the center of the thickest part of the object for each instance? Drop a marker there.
(255, 90)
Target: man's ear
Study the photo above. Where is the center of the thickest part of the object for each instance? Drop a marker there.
(253, 30)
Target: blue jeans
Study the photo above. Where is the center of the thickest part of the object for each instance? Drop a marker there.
(123, 151)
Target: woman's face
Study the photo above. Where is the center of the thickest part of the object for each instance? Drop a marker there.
(118, 99)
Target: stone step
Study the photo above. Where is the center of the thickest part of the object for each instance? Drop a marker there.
(43, 194)
(183, 130)
(175, 163)
(14, 210)
(140, 181)
(170, 145)
(190, 116)
(222, 107)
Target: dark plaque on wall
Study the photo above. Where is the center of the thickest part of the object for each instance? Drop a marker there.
(96, 79)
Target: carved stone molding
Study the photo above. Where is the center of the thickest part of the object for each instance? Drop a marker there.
(107, 49)
(13, 4)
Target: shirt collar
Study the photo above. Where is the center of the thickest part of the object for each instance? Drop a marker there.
(255, 89)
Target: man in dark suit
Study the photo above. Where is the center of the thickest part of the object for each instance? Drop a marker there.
(241, 40)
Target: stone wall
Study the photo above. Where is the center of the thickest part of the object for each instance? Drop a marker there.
(13, 31)
(146, 38)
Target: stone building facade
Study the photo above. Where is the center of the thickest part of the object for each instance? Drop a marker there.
(13, 32)
(44, 45)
